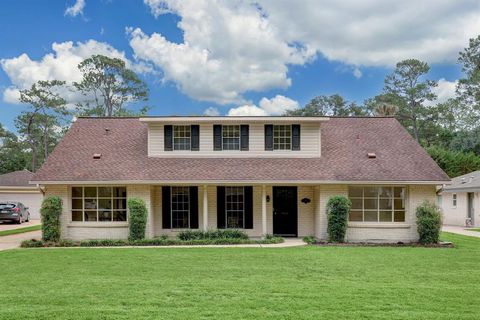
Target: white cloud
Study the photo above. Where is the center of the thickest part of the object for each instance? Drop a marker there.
(232, 47)
(61, 64)
(76, 9)
(444, 91)
(247, 110)
(278, 105)
(211, 112)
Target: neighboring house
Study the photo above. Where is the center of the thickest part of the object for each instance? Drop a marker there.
(460, 201)
(14, 186)
(266, 175)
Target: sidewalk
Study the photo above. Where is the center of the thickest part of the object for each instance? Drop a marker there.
(461, 230)
(14, 241)
(11, 226)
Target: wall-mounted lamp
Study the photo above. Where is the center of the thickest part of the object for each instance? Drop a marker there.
(268, 198)
(306, 200)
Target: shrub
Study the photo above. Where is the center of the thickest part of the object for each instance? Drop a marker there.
(137, 218)
(429, 222)
(337, 210)
(212, 234)
(310, 240)
(50, 213)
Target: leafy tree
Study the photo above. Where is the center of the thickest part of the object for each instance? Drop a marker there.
(12, 156)
(107, 86)
(454, 163)
(382, 105)
(334, 105)
(406, 83)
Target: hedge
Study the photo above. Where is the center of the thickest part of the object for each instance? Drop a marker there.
(137, 218)
(212, 234)
(337, 211)
(429, 223)
(50, 214)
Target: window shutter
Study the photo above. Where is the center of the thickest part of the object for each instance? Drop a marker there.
(193, 207)
(195, 142)
(244, 137)
(221, 207)
(166, 205)
(168, 138)
(269, 137)
(217, 137)
(248, 206)
(295, 137)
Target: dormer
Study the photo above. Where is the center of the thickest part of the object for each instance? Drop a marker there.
(224, 137)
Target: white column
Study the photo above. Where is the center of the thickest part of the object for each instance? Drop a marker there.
(205, 208)
(264, 210)
(318, 223)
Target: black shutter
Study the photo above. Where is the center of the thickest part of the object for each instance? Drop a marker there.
(248, 207)
(295, 137)
(217, 137)
(244, 136)
(193, 208)
(195, 142)
(168, 138)
(221, 207)
(166, 205)
(269, 137)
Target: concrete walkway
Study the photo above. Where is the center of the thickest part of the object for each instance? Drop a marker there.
(14, 241)
(10, 226)
(461, 230)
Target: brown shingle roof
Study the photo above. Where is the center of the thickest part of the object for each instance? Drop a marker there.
(345, 144)
(16, 179)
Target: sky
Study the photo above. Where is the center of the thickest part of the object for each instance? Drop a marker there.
(233, 57)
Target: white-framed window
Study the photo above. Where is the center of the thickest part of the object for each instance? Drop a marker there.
(377, 204)
(231, 137)
(282, 137)
(180, 207)
(454, 200)
(234, 207)
(182, 137)
(103, 204)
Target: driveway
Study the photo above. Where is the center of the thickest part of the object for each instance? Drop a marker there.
(14, 241)
(461, 230)
(11, 226)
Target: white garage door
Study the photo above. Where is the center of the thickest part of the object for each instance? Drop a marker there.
(31, 200)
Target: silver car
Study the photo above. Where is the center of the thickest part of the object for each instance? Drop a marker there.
(14, 212)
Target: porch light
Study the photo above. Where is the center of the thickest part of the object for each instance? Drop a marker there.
(306, 200)
(267, 198)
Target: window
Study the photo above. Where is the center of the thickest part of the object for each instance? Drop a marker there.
(377, 204)
(180, 207)
(454, 200)
(234, 208)
(231, 137)
(282, 137)
(104, 204)
(181, 137)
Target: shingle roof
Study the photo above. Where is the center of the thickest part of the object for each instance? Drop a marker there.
(16, 179)
(467, 182)
(345, 144)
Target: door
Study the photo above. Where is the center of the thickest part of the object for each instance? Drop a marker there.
(285, 211)
(470, 207)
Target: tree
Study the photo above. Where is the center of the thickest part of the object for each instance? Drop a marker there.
(382, 105)
(12, 156)
(107, 86)
(454, 163)
(468, 88)
(334, 105)
(411, 91)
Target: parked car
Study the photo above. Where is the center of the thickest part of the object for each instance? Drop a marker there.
(14, 212)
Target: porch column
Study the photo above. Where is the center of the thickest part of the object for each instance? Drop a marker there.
(205, 208)
(264, 210)
(317, 218)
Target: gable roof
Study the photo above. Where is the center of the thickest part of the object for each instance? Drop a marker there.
(345, 144)
(467, 182)
(16, 179)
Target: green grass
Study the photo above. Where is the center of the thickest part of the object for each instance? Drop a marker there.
(20, 230)
(243, 283)
(476, 229)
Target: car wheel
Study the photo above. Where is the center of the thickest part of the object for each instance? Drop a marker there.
(28, 218)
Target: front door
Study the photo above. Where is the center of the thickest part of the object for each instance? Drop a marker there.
(470, 207)
(285, 211)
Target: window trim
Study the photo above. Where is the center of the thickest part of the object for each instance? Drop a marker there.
(112, 198)
(243, 206)
(273, 137)
(189, 137)
(454, 200)
(171, 208)
(239, 137)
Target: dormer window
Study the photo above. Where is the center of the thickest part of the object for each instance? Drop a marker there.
(181, 137)
(282, 137)
(231, 137)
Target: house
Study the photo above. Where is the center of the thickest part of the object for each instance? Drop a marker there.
(14, 186)
(460, 201)
(265, 175)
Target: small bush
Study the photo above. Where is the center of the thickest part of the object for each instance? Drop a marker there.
(337, 210)
(212, 234)
(137, 218)
(429, 223)
(50, 214)
(310, 239)
(31, 243)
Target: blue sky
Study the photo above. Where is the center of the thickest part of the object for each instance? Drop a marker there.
(233, 57)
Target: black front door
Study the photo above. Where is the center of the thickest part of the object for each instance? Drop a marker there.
(285, 211)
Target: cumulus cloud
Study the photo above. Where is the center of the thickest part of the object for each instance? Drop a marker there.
(211, 112)
(76, 9)
(278, 105)
(232, 47)
(444, 91)
(247, 110)
(61, 64)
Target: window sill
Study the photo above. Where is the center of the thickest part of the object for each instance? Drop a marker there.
(382, 225)
(95, 224)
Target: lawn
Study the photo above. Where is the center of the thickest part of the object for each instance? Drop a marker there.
(243, 283)
(476, 229)
(20, 230)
